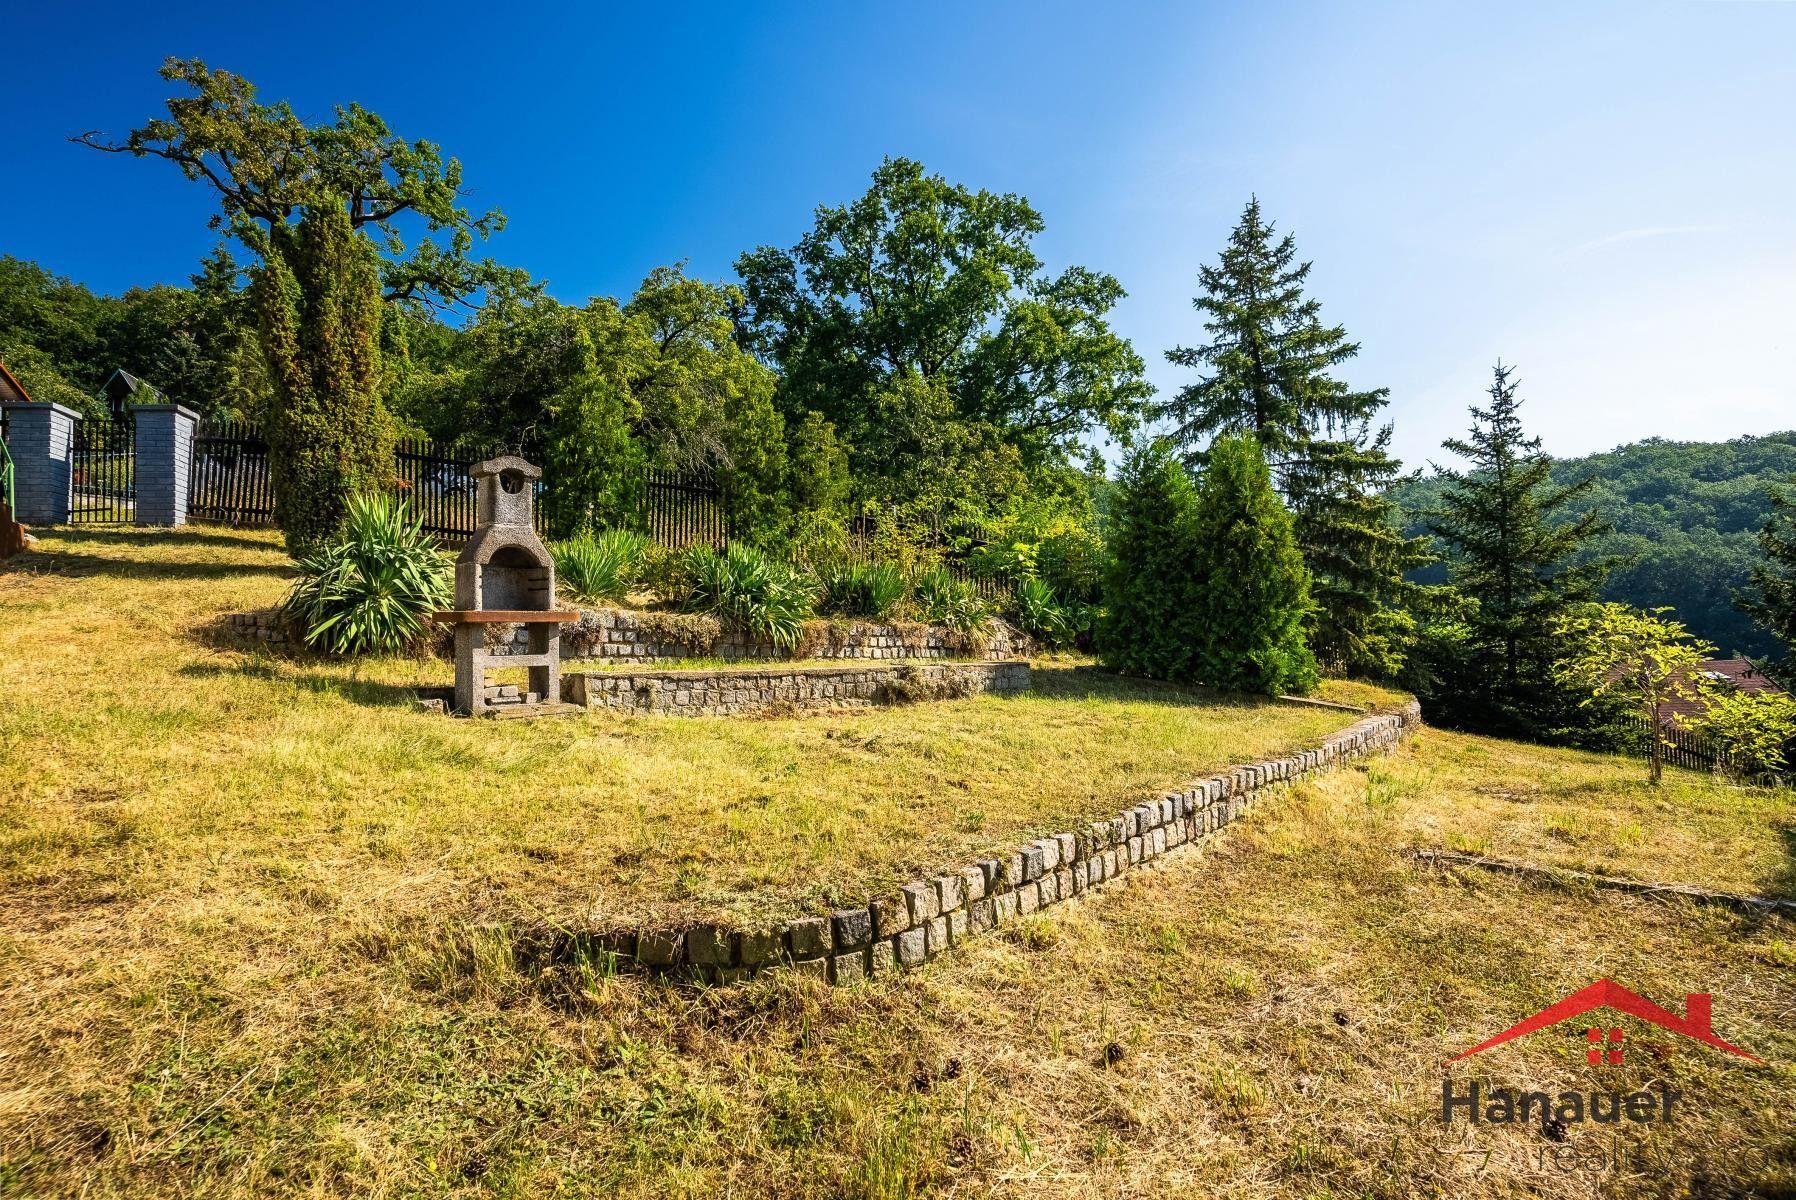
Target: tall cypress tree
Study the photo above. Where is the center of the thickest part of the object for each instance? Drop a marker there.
(1150, 625)
(318, 298)
(1510, 552)
(1267, 367)
(1251, 595)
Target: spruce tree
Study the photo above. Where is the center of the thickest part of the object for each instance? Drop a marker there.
(1252, 598)
(1773, 596)
(318, 298)
(1150, 583)
(1511, 545)
(1267, 365)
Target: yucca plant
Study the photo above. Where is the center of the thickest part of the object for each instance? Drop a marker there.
(870, 590)
(600, 568)
(941, 599)
(1040, 612)
(372, 588)
(744, 586)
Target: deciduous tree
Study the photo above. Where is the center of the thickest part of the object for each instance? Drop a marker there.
(1642, 658)
(926, 290)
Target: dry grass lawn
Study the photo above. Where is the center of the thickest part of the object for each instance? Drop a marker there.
(245, 952)
(145, 762)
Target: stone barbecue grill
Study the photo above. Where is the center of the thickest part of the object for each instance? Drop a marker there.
(505, 576)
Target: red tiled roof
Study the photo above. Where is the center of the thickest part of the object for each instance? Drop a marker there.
(1739, 672)
(11, 390)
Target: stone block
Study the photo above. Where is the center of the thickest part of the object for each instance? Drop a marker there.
(661, 949)
(852, 927)
(1028, 899)
(1158, 840)
(1033, 863)
(708, 946)
(1069, 847)
(1047, 888)
(950, 892)
(912, 947)
(1050, 854)
(845, 969)
(808, 937)
(758, 948)
(883, 958)
(957, 926)
(980, 915)
(993, 870)
(922, 900)
(972, 884)
(818, 967)
(1004, 907)
(936, 935)
(891, 916)
(1064, 878)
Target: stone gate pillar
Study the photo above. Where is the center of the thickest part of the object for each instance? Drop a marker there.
(164, 461)
(41, 439)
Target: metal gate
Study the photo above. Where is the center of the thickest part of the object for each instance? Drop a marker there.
(228, 480)
(103, 483)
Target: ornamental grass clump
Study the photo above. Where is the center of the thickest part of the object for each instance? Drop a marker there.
(372, 588)
(869, 590)
(600, 568)
(747, 588)
(941, 599)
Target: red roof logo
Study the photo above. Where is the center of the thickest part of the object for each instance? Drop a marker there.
(1606, 993)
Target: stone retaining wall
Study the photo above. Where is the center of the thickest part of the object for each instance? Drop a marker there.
(922, 919)
(611, 634)
(267, 627)
(603, 634)
(743, 691)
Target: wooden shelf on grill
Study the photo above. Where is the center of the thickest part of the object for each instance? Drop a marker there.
(506, 616)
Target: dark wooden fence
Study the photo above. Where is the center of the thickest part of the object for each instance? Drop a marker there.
(682, 508)
(434, 477)
(228, 480)
(103, 473)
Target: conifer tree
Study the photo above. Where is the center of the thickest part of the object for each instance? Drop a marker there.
(1268, 363)
(1511, 547)
(1150, 583)
(1251, 598)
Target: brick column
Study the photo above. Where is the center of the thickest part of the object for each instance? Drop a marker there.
(164, 460)
(41, 439)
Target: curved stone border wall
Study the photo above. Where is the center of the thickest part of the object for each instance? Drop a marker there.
(922, 919)
(746, 690)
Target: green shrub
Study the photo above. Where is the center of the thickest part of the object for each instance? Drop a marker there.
(600, 568)
(746, 587)
(1041, 614)
(1756, 730)
(664, 571)
(941, 599)
(1252, 590)
(373, 587)
(1150, 588)
(870, 590)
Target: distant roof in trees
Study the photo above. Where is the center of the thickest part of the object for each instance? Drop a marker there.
(1741, 673)
(11, 390)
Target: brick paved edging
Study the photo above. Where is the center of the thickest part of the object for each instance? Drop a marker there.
(922, 919)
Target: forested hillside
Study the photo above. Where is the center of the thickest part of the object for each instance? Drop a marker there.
(1686, 516)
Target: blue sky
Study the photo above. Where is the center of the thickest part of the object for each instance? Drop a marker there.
(1602, 194)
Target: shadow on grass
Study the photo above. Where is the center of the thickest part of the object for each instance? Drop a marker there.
(1781, 883)
(219, 536)
(292, 673)
(76, 566)
(1095, 683)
